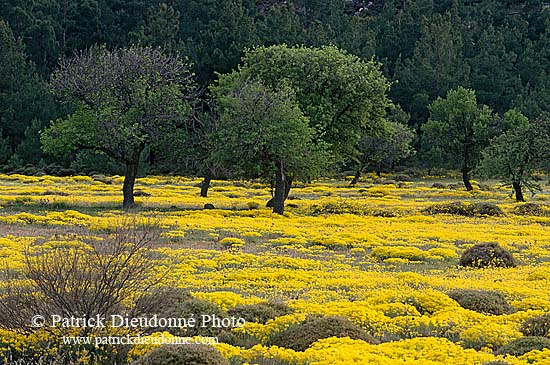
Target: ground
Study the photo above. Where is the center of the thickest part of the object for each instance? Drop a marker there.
(374, 253)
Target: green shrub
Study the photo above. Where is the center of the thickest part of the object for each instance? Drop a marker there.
(466, 210)
(183, 355)
(455, 208)
(489, 209)
(523, 345)
(529, 209)
(482, 301)
(438, 185)
(536, 326)
(178, 303)
(487, 255)
(299, 337)
(261, 312)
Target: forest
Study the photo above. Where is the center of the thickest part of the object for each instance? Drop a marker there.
(426, 59)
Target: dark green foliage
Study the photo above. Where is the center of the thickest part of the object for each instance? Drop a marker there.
(482, 301)
(516, 154)
(529, 209)
(457, 131)
(536, 326)
(499, 49)
(24, 101)
(484, 208)
(124, 100)
(456, 208)
(299, 337)
(261, 312)
(524, 345)
(263, 134)
(465, 209)
(342, 96)
(487, 255)
(183, 355)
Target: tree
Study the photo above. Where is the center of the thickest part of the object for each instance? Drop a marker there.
(340, 94)
(386, 148)
(23, 95)
(436, 66)
(458, 129)
(515, 155)
(125, 99)
(262, 133)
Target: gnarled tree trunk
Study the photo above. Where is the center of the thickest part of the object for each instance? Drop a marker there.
(357, 176)
(282, 188)
(518, 191)
(466, 179)
(205, 184)
(378, 169)
(129, 182)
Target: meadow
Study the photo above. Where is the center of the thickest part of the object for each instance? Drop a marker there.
(379, 254)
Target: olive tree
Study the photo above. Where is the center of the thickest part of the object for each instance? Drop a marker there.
(124, 99)
(515, 155)
(387, 147)
(262, 133)
(458, 129)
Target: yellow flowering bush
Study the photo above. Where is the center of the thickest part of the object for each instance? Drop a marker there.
(369, 253)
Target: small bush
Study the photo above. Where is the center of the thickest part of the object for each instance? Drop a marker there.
(314, 328)
(178, 303)
(489, 209)
(261, 312)
(536, 326)
(455, 208)
(466, 210)
(487, 255)
(524, 345)
(180, 355)
(438, 185)
(529, 209)
(402, 177)
(482, 301)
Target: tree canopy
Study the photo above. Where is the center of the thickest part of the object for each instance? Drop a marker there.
(262, 133)
(124, 99)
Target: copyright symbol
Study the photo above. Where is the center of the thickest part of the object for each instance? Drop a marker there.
(38, 321)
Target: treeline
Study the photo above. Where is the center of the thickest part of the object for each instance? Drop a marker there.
(498, 49)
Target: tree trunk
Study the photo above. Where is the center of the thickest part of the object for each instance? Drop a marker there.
(280, 189)
(205, 184)
(518, 191)
(378, 169)
(356, 177)
(288, 185)
(128, 187)
(466, 179)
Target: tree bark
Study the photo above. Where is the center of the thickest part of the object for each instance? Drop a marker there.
(280, 189)
(356, 177)
(518, 191)
(205, 184)
(129, 182)
(466, 179)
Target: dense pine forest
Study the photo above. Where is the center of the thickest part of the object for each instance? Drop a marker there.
(497, 51)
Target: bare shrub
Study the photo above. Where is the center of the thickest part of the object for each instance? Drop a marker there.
(86, 276)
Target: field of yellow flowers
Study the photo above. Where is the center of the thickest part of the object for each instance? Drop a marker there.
(372, 253)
